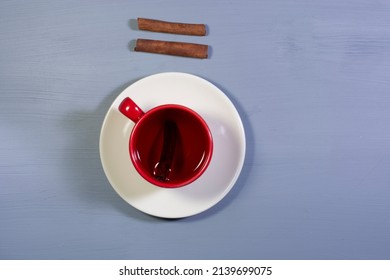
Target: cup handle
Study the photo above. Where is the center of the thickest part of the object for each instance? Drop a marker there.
(130, 109)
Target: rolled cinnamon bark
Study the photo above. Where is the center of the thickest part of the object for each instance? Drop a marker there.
(172, 48)
(171, 27)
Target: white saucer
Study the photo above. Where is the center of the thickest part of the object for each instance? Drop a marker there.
(228, 155)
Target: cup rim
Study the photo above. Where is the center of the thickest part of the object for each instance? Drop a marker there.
(146, 175)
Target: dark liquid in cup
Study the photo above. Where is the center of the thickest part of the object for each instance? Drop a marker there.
(171, 146)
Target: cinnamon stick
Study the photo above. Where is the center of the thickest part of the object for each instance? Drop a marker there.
(172, 48)
(171, 27)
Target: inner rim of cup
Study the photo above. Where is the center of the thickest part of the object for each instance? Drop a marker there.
(149, 116)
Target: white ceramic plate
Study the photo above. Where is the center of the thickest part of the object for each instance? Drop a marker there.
(228, 154)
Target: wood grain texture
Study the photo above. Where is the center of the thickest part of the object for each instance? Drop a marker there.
(310, 79)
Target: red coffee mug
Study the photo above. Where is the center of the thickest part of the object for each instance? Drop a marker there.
(170, 145)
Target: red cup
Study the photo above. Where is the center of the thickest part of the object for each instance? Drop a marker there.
(170, 145)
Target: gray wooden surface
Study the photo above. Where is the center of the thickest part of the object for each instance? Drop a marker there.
(310, 79)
